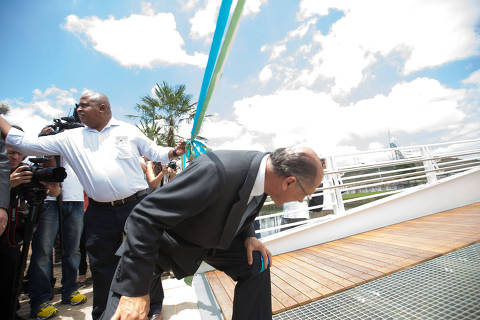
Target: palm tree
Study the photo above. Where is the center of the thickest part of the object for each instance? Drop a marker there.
(161, 115)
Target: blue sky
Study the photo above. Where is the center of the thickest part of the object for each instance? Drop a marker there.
(336, 75)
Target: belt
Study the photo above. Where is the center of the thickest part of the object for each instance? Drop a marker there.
(120, 202)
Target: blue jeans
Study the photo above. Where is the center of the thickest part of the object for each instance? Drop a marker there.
(40, 289)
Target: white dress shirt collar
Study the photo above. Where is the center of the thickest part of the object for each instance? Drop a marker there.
(259, 185)
(112, 122)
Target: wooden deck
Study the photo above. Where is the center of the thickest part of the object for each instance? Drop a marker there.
(309, 274)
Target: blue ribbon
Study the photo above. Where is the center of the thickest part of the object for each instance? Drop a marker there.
(212, 57)
(196, 146)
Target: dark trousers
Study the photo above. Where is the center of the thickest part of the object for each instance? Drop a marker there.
(10, 262)
(103, 236)
(252, 299)
(82, 267)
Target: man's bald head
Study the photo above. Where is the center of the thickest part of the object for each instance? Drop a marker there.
(98, 98)
(94, 110)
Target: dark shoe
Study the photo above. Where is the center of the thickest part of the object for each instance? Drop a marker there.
(156, 316)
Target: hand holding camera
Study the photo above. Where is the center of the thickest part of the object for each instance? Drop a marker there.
(20, 175)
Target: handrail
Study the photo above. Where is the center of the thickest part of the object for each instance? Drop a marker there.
(428, 166)
(406, 148)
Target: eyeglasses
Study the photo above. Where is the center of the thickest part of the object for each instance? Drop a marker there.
(301, 187)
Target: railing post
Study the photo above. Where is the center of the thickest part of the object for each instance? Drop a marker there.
(335, 195)
(429, 165)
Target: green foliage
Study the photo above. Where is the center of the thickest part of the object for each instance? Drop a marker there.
(160, 116)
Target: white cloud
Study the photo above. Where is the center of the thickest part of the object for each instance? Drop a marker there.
(265, 74)
(188, 4)
(204, 20)
(253, 6)
(302, 116)
(215, 128)
(424, 34)
(474, 78)
(141, 40)
(33, 115)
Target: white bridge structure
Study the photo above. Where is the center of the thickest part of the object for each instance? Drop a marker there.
(369, 190)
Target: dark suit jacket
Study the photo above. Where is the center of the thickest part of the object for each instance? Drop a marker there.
(175, 225)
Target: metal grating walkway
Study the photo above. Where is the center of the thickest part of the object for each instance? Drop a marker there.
(447, 287)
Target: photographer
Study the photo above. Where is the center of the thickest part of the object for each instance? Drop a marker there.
(64, 214)
(10, 238)
(9, 256)
(158, 174)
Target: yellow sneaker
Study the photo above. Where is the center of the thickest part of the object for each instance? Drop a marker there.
(76, 298)
(47, 311)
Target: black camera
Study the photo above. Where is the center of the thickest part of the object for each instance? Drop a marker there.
(173, 165)
(64, 123)
(34, 191)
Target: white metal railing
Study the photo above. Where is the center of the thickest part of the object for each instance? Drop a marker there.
(379, 172)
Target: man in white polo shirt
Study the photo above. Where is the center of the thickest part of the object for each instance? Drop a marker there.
(104, 156)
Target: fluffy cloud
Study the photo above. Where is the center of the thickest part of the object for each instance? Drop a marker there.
(302, 116)
(265, 74)
(424, 34)
(204, 20)
(140, 40)
(33, 115)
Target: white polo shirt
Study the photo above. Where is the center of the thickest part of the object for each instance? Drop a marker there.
(106, 162)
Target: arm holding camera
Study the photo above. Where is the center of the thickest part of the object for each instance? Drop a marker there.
(153, 179)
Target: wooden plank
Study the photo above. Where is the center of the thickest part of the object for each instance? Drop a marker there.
(366, 252)
(337, 275)
(313, 272)
(411, 252)
(227, 283)
(226, 305)
(282, 297)
(404, 252)
(295, 295)
(348, 262)
(296, 283)
(286, 267)
(276, 306)
(371, 263)
(344, 268)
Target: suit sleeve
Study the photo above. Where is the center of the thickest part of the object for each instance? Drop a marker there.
(196, 188)
(4, 176)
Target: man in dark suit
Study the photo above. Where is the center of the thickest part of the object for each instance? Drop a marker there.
(206, 214)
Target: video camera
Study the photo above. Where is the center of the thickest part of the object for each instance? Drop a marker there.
(34, 192)
(64, 123)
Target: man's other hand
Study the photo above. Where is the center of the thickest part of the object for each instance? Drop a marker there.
(20, 176)
(253, 244)
(132, 308)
